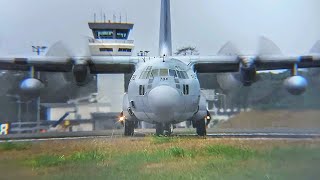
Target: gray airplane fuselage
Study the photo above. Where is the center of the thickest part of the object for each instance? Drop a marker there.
(163, 91)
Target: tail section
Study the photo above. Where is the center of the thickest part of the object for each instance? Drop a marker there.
(165, 43)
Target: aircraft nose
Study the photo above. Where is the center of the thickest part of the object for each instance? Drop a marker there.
(163, 100)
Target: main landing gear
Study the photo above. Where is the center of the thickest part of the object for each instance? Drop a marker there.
(201, 125)
(163, 129)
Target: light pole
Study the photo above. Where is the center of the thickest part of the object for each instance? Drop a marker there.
(38, 50)
(224, 97)
(19, 102)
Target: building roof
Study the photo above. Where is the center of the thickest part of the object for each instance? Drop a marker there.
(110, 25)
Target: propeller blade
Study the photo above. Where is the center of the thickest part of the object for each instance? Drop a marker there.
(267, 47)
(316, 48)
(228, 50)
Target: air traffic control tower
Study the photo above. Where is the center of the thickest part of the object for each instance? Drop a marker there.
(111, 39)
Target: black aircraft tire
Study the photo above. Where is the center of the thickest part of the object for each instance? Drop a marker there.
(168, 130)
(159, 129)
(129, 128)
(201, 128)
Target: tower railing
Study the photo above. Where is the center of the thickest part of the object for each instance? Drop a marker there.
(119, 41)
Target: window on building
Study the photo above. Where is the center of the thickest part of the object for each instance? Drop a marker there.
(121, 34)
(125, 50)
(106, 50)
(104, 34)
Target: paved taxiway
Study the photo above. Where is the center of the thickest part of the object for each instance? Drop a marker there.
(212, 133)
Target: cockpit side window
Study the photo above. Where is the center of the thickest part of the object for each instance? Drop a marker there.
(182, 75)
(146, 74)
(155, 73)
(143, 75)
(163, 72)
(172, 73)
(185, 75)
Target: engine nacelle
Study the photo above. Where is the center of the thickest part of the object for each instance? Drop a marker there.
(296, 85)
(81, 73)
(228, 81)
(31, 87)
(248, 75)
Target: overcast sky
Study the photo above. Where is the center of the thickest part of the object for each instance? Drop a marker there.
(294, 25)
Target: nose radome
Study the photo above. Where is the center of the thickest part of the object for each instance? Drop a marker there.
(163, 100)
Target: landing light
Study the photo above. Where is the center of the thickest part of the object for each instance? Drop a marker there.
(208, 117)
(122, 118)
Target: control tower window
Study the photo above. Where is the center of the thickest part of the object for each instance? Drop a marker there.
(106, 50)
(122, 34)
(105, 34)
(125, 50)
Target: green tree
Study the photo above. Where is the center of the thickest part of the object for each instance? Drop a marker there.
(187, 51)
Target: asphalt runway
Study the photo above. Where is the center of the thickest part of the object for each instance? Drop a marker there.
(139, 133)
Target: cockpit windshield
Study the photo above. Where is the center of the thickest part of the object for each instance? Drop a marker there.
(150, 73)
(163, 72)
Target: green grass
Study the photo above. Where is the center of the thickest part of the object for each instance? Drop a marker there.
(56, 160)
(175, 158)
(162, 139)
(9, 146)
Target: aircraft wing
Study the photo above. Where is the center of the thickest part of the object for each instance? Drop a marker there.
(113, 64)
(40, 63)
(216, 64)
(97, 64)
(286, 62)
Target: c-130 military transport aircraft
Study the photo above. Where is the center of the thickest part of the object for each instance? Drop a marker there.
(165, 90)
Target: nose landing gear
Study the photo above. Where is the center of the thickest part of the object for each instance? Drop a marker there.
(164, 129)
(129, 128)
(202, 124)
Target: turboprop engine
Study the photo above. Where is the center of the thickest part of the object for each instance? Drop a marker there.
(76, 47)
(81, 73)
(296, 85)
(31, 87)
(248, 71)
